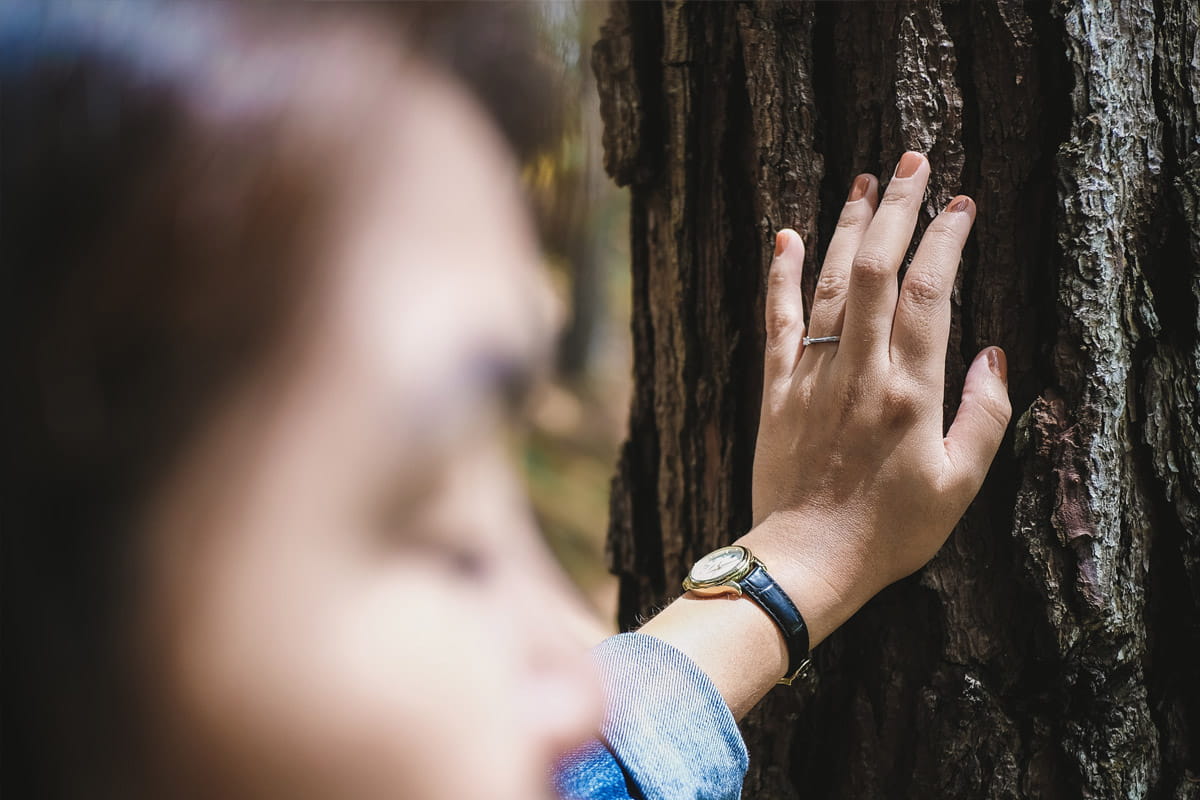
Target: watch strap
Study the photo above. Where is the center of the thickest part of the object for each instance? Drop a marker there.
(763, 589)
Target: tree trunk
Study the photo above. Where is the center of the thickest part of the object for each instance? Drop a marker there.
(1052, 648)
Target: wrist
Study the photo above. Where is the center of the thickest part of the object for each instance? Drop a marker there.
(827, 585)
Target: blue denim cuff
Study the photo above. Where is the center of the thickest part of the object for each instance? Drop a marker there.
(666, 722)
(591, 773)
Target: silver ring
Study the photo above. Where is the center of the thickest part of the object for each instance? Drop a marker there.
(807, 340)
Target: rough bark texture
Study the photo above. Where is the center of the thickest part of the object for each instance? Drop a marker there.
(1052, 649)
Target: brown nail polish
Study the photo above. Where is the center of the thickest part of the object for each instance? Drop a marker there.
(859, 189)
(959, 203)
(908, 165)
(997, 363)
(780, 243)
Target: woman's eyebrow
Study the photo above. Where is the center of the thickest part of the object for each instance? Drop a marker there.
(490, 371)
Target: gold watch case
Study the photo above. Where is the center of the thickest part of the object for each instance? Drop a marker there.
(719, 572)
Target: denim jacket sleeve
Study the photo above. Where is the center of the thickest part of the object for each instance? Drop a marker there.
(667, 733)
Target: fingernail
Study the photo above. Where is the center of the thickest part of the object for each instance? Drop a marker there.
(908, 165)
(859, 188)
(960, 203)
(997, 363)
(780, 243)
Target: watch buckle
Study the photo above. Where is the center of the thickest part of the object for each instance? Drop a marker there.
(801, 671)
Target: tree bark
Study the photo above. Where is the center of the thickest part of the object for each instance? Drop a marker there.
(1051, 648)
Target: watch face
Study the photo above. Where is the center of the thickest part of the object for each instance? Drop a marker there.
(718, 564)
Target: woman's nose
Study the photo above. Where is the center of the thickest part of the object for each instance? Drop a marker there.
(564, 698)
(565, 704)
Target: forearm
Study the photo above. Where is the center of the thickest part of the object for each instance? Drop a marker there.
(734, 641)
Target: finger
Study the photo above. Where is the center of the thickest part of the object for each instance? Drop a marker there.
(871, 294)
(979, 425)
(829, 299)
(922, 322)
(784, 307)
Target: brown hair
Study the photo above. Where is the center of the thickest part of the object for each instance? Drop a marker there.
(154, 224)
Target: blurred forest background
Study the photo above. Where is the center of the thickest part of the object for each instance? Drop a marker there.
(578, 423)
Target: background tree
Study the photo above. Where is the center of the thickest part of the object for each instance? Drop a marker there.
(1051, 649)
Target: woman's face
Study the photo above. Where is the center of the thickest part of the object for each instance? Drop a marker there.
(349, 598)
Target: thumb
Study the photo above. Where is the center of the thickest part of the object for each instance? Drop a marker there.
(982, 418)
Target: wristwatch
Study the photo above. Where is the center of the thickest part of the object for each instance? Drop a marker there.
(735, 570)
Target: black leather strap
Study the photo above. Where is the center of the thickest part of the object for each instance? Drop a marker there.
(763, 589)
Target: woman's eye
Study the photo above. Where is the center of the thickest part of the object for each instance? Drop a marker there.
(470, 564)
(404, 528)
(408, 526)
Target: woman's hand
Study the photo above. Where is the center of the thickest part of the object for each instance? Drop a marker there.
(854, 484)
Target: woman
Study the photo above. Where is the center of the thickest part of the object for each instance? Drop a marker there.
(277, 300)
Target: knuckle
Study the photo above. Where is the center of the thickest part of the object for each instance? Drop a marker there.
(777, 278)
(851, 220)
(899, 404)
(897, 198)
(779, 322)
(999, 411)
(831, 285)
(922, 289)
(941, 229)
(872, 265)
(943, 243)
